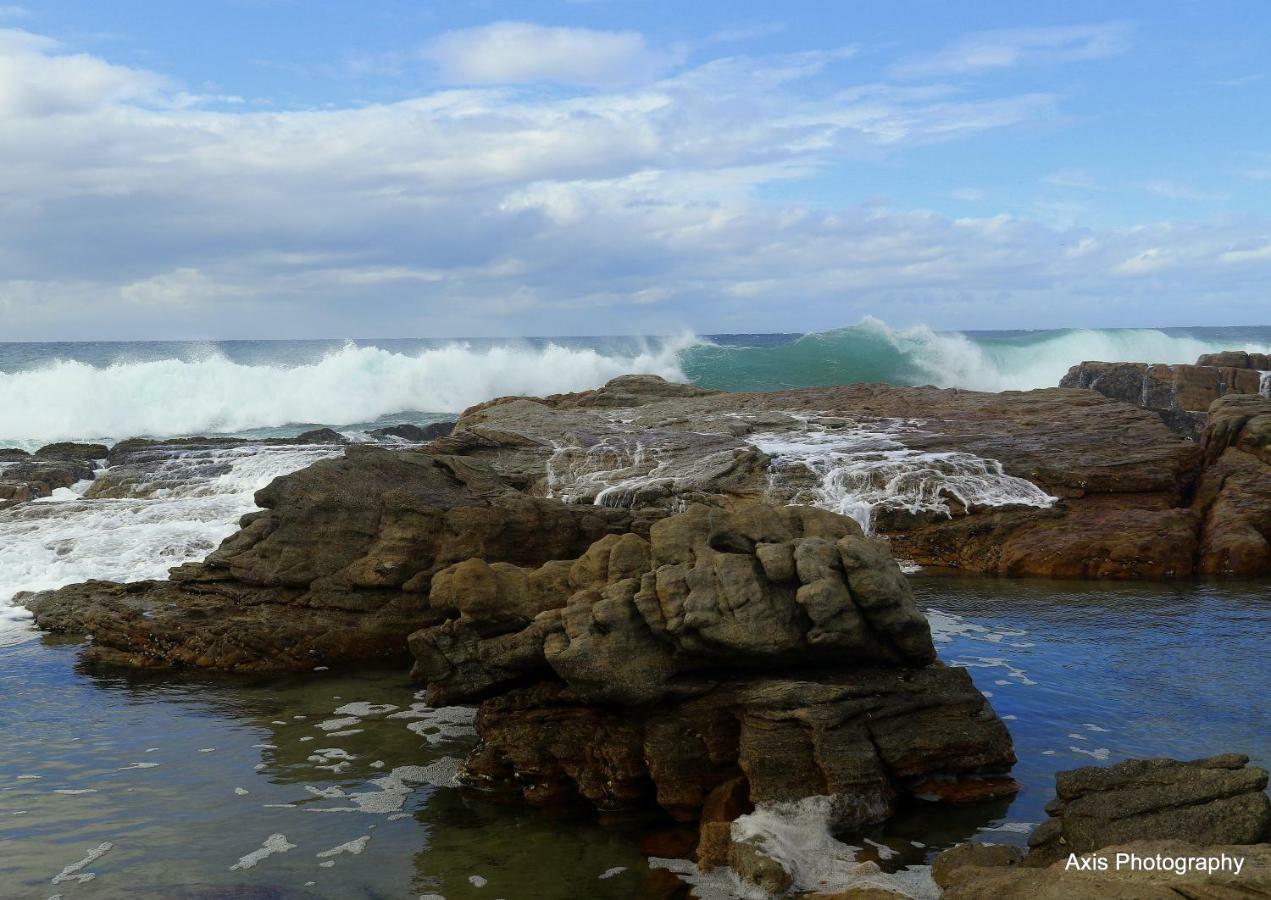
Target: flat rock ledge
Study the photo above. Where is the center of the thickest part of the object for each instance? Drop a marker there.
(1104, 818)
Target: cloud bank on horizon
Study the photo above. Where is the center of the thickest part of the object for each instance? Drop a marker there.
(258, 169)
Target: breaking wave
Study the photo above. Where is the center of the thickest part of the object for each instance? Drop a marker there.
(56, 393)
(66, 399)
(985, 361)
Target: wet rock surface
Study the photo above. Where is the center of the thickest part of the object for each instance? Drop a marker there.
(946, 475)
(328, 571)
(776, 651)
(31, 476)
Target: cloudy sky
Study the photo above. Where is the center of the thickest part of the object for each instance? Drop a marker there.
(264, 168)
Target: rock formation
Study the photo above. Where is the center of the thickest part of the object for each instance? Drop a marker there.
(339, 564)
(947, 476)
(334, 568)
(25, 476)
(777, 651)
(414, 434)
(1208, 808)
(1234, 492)
(1179, 394)
(1219, 800)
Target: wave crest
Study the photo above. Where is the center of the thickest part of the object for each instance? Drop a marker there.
(68, 399)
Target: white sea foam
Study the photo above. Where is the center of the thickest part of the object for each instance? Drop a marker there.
(799, 837)
(73, 871)
(859, 470)
(47, 545)
(355, 846)
(275, 843)
(67, 399)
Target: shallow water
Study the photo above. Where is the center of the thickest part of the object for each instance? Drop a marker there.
(1082, 672)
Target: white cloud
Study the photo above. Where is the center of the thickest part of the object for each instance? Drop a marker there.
(1254, 255)
(1009, 47)
(1072, 178)
(125, 211)
(37, 79)
(522, 53)
(1173, 190)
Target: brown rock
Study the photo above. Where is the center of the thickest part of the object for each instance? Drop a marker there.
(693, 599)
(317, 576)
(1060, 882)
(862, 735)
(1234, 494)
(973, 855)
(1218, 800)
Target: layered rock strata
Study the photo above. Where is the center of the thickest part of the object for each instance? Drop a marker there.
(776, 650)
(1179, 394)
(334, 568)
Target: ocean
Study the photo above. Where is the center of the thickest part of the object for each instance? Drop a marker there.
(111, 391)
(168, 785)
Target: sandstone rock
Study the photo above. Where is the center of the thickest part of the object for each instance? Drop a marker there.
(26, 476)
(1234, 494)
(638, 621)
(1167, 388)
(1236, 359)
(973, 855)
(864, 736)
(1219, 800)
(1058, 882)
(415, 433)
(1124, 481)
(67, 450)
(319, 575)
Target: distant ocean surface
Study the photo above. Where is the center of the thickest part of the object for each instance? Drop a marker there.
(114, 390)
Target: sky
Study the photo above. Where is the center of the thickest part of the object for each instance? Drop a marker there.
(294, 169)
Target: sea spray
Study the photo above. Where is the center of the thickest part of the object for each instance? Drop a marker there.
(871, 351)
(46, 545)
(113, 391)
(66, 399)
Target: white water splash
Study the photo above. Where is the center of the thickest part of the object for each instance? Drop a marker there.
(857, 471)
(58, 542)
(799, 837)
(628, 472)
(67, 399)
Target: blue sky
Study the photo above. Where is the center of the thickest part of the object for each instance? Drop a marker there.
(263, 168)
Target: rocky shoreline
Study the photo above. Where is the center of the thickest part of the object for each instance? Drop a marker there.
(663, 596)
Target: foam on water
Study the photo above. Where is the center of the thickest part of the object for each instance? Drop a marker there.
(860, 470)
(799, 837)
(63, 541)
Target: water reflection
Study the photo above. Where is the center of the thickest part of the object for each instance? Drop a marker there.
(186, 776)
